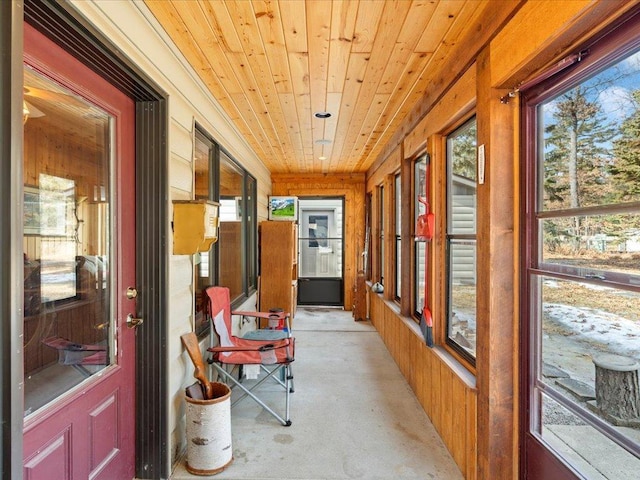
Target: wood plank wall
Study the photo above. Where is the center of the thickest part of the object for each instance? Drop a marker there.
(449, 399)
(349, 186)
(476, 409)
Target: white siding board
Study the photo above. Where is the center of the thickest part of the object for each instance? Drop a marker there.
(181, 174)
(181, 141)
(135, 32)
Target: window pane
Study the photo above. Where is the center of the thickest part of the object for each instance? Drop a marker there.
(398, 267)
(320, 258)
(381, 226)
(66, 246)
(589, 141)
(461, 238)
(421, 248)
(592, 244)
(420, 208)
(231, 243)
(462, 294)
(581, 320)
(398, 202)
(589, 451)
(398, 230)
(252, 236)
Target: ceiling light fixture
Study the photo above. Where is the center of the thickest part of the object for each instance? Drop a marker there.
(322, 115)
(322, 158)
(323, 141)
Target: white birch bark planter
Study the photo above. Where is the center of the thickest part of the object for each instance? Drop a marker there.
(209, 448)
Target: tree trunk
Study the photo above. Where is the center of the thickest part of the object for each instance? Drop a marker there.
(617, 387)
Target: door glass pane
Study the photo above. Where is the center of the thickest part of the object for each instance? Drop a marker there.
(584, 293)
(320, 238)
(67, 311)
(593, 244)
(587, 449)
(589, 141)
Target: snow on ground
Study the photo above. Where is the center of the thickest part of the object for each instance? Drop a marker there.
(615, 333)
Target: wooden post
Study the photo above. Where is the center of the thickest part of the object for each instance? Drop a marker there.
(617, 389)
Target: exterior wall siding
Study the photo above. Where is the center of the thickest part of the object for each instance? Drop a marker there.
(135, 32)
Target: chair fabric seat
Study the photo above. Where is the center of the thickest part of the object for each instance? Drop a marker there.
(266, 334)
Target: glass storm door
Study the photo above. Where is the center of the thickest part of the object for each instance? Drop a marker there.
(581, 412)
(79, 259)
(320, 236)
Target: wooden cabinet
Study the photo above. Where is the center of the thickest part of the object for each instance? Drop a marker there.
(278, 266)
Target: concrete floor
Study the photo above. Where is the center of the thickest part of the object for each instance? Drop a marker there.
(353, 414)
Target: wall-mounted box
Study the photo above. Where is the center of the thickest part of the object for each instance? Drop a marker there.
(195, 226)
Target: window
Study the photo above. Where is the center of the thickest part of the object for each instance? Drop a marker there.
(582, 284)
(232, 260)
(419, 207)
(398, 229)
(461, 240)
(381, 258)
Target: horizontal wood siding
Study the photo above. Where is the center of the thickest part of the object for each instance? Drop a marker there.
(448, 399)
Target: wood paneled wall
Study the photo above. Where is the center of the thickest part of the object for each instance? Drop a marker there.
(476, 408)
(448, 397)
(349, 186)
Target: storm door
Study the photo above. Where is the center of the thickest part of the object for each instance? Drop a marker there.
(581, 288)
(79, 270)
(321, 252)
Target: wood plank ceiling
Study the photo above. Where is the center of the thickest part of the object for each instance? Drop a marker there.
(273, 64)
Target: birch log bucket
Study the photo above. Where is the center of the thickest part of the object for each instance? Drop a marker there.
(209, 432)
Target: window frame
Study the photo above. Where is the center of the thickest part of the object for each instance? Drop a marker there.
(249, 228)
(453, 238)
(420, 187)
(381, 236)
(397, 251)
(603, 54)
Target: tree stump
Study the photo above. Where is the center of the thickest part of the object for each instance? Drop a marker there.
(618, 389)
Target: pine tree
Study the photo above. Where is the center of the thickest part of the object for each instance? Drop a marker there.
(625, 169)
(575, 173)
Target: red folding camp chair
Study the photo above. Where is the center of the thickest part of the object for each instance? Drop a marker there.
(273, 351)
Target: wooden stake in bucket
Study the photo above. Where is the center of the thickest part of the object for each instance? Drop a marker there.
(209, 448)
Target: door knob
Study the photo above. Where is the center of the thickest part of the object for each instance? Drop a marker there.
(133, 322)
(132, 293)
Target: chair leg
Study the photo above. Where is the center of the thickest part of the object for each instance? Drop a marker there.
(248, 392)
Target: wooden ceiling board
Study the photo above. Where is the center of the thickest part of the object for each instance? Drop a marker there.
(272, 64)
(218, 17)
(356, 71)
(294, 22)
(443, 17)
(369, 15)
(343, 21)
(389, 28)
(271, 29)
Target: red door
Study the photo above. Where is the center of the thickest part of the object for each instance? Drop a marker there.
(79, 260)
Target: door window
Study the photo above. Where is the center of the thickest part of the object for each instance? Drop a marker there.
(320, 239)
(67, 311)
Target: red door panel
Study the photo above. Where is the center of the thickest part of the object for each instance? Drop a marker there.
(86, 428)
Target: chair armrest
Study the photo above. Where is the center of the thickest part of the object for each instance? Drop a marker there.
(267, 315)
